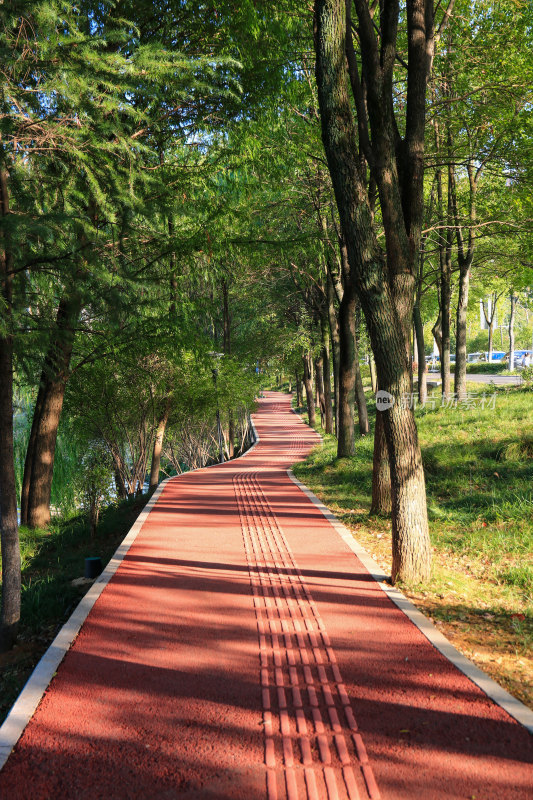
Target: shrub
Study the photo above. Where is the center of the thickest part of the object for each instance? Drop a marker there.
(95, 486)
(494, 367)
(527, 375)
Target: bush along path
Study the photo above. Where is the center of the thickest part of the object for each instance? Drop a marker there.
(242, 650)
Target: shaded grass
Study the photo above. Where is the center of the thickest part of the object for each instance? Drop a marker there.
(51, 560)
(479, 476)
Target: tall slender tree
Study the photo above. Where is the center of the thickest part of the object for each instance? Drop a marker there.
(384, 281)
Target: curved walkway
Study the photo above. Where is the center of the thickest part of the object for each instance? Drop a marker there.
(242, 650)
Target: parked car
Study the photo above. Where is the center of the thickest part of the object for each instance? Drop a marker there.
(475, 358)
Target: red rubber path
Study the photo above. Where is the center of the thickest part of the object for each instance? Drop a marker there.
(242, 651)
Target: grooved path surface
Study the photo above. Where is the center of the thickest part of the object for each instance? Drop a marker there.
(243, 651)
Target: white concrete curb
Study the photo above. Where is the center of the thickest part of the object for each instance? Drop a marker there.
(39, 680)
(516, 709)
(30, 697)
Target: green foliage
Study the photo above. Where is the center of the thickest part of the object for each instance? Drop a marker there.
(68, 454)
(527, 375)
(94, 481)
(484, 368)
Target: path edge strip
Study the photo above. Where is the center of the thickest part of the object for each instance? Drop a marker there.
(514, 707)
(26, 703)
(35, 687)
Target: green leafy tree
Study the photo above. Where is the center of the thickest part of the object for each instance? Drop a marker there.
(94, 481)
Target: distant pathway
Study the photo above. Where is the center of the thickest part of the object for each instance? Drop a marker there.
(243, 651)
(473, 377)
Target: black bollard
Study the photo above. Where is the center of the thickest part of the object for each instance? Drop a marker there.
(93, 567)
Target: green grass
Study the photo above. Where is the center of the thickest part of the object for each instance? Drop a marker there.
(479, 476)
(479, 470)
(51, 560)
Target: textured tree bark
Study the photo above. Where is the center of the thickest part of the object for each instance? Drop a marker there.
(360, 399)
(346, 435)
(460, 333)
(326, 367)
(308, 384)
(231, 434)
(444, 294)
(298, 385)
(227, 350)
(120, 484)
(465, 253)
(319, 375)
(158, 446)
(9, 537)
(373, 375)
(421, 356)
(335, 346)
(436, 331)
(47, 413)
(381, 483)
(511, 329)
(26, 478)
(386, 290)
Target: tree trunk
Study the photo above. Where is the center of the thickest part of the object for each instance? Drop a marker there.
(460, 333)
(231, 434)
(445, 308)
(319, 373)
(39, 462)
(421, 355)
(436, 331)
(93, 517)
(158, 446)
(120, 484)
(308, 384)
(9, 537)
(173, 306)
(326, 377)
(386, 290)
(373, 376)
(511, 330)
(335, 346)
(346, 436)
(298, 384)
(360, 399)
(26, 478)
(444, 294)
(381, 485)
(227, 350)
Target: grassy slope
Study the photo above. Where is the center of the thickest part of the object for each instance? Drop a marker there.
(51, 559)
(479, 471)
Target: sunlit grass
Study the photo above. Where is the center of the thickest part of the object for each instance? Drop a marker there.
(479, 475)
